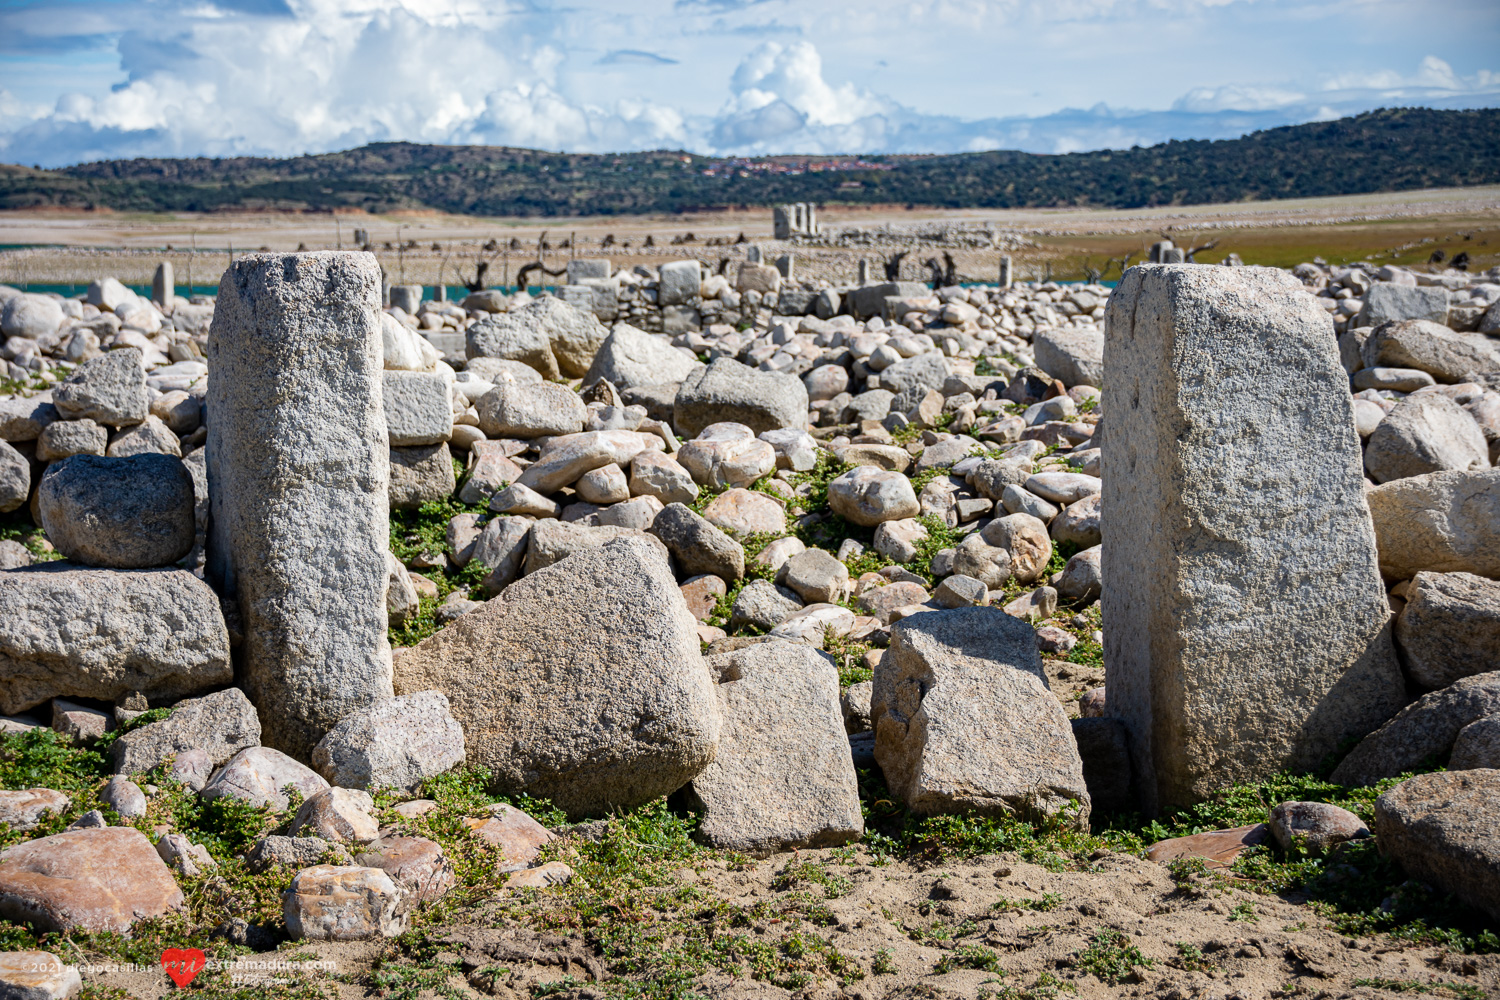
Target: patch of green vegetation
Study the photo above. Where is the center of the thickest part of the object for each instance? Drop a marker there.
(17, 526)
(425, 530)
(1045, 987)
(883, 964)
(1190, 958)
(1048, 901)
(798, 873)
(1244, 912)
(1110, 957)
(968, 956)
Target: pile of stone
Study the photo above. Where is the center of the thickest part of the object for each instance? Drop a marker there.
(625, 486)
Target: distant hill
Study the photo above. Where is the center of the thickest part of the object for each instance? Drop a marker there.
(1387, 150)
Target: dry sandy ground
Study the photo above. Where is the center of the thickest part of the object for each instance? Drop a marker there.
(897, 924)
(1053, 241)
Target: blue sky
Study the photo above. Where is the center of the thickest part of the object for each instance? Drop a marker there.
(93, 79)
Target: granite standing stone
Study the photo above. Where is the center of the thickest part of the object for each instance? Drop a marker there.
(298, 474)
(1251, 628)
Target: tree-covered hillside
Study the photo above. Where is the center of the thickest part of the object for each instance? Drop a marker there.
(1388, 150)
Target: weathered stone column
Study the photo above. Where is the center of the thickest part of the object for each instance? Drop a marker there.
(163, 285)
(298, 472)
(1247, 627)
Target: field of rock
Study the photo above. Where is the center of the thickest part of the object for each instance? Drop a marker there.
(698, 634)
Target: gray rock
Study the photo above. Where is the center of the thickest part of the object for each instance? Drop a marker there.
(1386, 302)
(531, 411)
(698, 546)
(727, 455)
(218, 725)
(1477, 745)
(1395, 379)
(1450, 627)
(1080, 523)
(1446, 522)
(260, 776)
(729, 392)
(1072, 355)
(653, 474)
(31, 316)
(123, 513)
(149, 437)
(401, 598)
(110, 389)
(1104, 748)
(417, 408)
(1019, 500)
(567, 458)
(71, 437)
(867, 495)
(991, 477)
(795, 448)
(1422, 733)
(629, 358)
(763, 605)
(1244, 442)
(37, 975)
(392, 744)
(299, 477)
(874, 404)
(817, 577)
(124, 797)
(501, 550)
(582, 683)
(513, 337)
(1318, 825)
(680, 283)
(14, 555)
(24, 418)
(1026, 539)
(984, 562)
(420, 475)
(1082, 576)
(1064, 487)
(1445, 354)
(1426, 432)
(928, 370)
(636, 514)
(291, 852)
(782, 778)
(961, 592)
(964, 721)
(574, 335)
(1443, 830)
(15, 479)
(497, 370)
(88, 633)
(553, 541)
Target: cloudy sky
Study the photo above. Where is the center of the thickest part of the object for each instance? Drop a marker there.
(93, 79)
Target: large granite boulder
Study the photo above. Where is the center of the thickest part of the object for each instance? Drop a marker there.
(1446, 522)
(124, 513)
(729, 392)
(1422, 733)
(92, 879)
(1444, 830)
(582, 683)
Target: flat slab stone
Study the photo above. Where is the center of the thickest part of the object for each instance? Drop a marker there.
(102, 633)
(1236, 473)
(782, 778)
(96, 879)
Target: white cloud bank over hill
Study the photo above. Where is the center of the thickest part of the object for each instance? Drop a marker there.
(279, 77)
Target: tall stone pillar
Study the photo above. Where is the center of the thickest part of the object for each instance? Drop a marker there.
(781, 222)
(298, 473)
(864, 272)
(1005, 271)
(163, 287)
(1248, 626)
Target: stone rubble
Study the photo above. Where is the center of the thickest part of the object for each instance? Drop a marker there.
(681, 495)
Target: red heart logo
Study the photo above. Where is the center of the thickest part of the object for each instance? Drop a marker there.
(182, 964)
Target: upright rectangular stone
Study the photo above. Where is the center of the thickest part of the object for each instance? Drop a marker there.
(298, 473)
(1005, 271)
(781, 222)
(1248, 627)
(163, 286)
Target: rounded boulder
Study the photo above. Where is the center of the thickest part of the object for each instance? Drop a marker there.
(121, 513)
